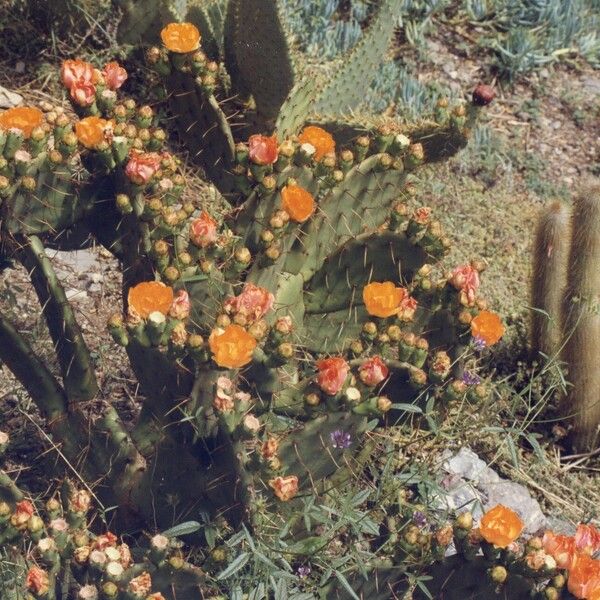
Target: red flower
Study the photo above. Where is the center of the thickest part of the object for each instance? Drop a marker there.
(332, 374)
(114, 75)
(373, 371)
(142, 166)
(254, 302)
(203, 230)
(263, 149)
(408, 306)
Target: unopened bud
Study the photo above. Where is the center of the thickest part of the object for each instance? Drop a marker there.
(498, 574)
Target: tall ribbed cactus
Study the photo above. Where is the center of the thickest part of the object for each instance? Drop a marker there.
(569, 292)
(270, 327)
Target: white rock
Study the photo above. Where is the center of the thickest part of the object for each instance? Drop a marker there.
(471, 485)
(9, 99)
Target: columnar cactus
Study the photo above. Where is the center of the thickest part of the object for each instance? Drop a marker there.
(269, 327)
(579, 287)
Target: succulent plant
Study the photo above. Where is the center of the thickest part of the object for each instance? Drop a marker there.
(270, 323)
(566, 288)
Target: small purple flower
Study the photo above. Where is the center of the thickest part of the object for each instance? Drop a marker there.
(470, 378)
(479, 343)
(340, 439)
(303, 571)
(419, 519)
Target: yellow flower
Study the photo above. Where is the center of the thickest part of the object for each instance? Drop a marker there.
(383, 299)
(150, 296)
(488, 327)
(319, 139)
(232, 347)
(25, 118)
(297, 202)
(181, 37)
(500, 526)
(91, 131)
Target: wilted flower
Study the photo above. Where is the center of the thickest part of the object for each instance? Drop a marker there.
(73, 71)
(114, 75)
(269, 448)
(203, 230)
(23, 512)
(465, 278)
(104, 541)
(340, 439)
(37, 581)
(470, 378)
(262, 149)
(251, 423)
(83, 93)
(373, 371)
(500, 526)
(253, 303)
(142, 166)
(79, 501)
(285, 488)
(560, 547)
(332, 373)
(181, 306)
(141, 585)
(422, 215)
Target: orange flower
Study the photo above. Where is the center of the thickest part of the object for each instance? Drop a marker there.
(560, 547)
(321, 140)
(297, 202)
(150, 296)
(25, 118)
(488, 327)
(285, 488)
(584, 576)
(181, 37)
(500, 526)
(232, 347)
(383, 299)
(93, 130)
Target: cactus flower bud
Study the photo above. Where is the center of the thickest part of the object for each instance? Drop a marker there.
(464, 521)
(483, 95)
(285, 350)
(384, 404)
(312, 399)
(498, 574)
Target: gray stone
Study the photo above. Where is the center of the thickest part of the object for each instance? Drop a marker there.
(9, 99)
(471, 485)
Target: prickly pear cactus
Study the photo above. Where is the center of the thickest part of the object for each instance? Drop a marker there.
(271, 325)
